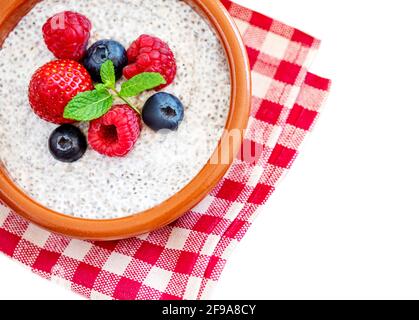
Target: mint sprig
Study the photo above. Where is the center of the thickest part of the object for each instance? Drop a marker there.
(101, 87)
(107, 74)
(140, 83)
(91, 105)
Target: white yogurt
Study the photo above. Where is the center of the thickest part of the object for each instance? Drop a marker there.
(96, 186)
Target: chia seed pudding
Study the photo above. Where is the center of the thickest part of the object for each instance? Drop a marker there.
(160, 165)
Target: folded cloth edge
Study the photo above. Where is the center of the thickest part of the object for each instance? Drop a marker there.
(207, 286)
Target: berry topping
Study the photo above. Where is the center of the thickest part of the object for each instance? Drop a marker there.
(163, 111)
(67, 143)
(116, 133)
(102, 51)
(54, 85)
(66, 35)
(150, 54)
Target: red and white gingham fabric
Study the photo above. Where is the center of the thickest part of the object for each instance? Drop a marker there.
(185, 259)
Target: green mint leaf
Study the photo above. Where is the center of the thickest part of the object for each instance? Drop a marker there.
(88, 105)
(107, 73)
(140, 83)
(101, 87)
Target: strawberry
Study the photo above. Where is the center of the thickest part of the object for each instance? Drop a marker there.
(54, 85)
(115, 133)
(66, 35)
(151, 54)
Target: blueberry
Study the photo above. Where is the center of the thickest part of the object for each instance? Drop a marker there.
(100, 52)
(163, 111)
(67, 143)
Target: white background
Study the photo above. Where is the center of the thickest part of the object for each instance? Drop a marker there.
(345, 221)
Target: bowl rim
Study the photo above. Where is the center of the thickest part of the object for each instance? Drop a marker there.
(173, 208)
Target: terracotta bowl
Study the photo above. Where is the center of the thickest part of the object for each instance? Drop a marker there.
(11, 11)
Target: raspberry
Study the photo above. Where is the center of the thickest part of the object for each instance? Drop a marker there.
(54, 85)
(66, 35)
(116, 133)
(150, 54)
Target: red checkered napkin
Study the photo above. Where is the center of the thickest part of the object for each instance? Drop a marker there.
(185, 259)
